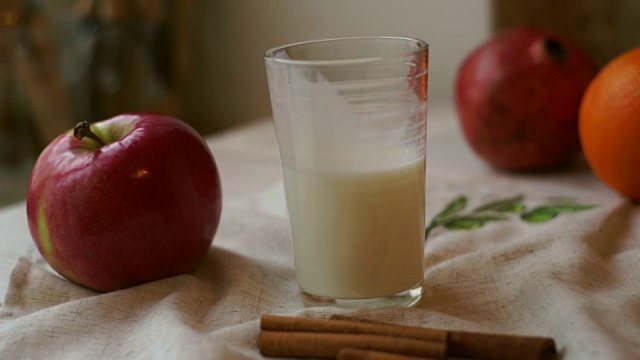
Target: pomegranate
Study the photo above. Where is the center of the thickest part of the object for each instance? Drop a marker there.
(517, 96)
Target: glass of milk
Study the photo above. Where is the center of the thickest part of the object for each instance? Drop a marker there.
(350, 118)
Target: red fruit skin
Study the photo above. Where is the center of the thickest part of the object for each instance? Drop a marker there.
(518, 104)
(142, 208)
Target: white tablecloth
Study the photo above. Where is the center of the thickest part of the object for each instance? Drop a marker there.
(575, 277)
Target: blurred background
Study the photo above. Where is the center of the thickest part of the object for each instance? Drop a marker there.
(63, 61)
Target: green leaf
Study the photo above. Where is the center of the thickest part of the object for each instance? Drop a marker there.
(427, 231)
(510, 205)
(548, 212)
(571, 208)
(471, 222)
(539, 214)
(455, 206)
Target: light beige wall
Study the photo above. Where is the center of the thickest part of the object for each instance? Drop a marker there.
(230, 83)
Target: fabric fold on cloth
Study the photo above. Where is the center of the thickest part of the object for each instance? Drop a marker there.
(574, 277)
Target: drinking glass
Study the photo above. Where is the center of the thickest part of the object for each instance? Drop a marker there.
(350, 119)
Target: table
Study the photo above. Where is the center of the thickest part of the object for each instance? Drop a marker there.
(575, 277)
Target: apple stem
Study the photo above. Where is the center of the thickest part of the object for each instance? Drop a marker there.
(83, 129)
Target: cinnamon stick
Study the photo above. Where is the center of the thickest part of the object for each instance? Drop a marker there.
(327, 345)
(501, 347)
(358, 354)
(351, 326)
(490, 346)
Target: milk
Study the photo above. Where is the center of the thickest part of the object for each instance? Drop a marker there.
(357, 234)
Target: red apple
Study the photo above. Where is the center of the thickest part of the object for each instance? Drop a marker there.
(125, 201)
(518, 95)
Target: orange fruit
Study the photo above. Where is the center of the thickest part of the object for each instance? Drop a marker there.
(609, 124)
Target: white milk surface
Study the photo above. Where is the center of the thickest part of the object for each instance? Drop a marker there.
(357, 234)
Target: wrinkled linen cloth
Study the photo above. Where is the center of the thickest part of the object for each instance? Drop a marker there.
(574, 277)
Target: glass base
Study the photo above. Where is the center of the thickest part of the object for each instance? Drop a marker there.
(405, 298)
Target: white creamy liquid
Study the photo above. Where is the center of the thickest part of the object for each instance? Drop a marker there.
(357, 234)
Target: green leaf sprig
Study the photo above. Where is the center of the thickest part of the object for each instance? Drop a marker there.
(452, 218)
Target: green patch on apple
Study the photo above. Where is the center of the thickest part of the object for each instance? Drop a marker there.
(43, 231)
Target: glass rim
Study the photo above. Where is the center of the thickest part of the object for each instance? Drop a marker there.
(270, 53)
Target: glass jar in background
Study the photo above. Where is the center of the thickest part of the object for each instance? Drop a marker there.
(66, 61)
(90, 60)
(17, 145)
